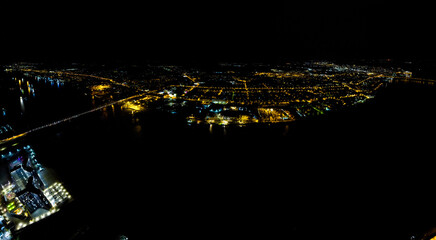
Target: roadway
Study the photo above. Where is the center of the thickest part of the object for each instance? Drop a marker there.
(3, 141)
(190, 88)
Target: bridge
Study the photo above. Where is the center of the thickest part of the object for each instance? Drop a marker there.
(3, 141)
(191, 87)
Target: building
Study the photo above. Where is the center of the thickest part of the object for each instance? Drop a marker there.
(19, 177)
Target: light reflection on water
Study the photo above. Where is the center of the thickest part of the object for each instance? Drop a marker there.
(127, 126)
(22, 104)
(29, 102)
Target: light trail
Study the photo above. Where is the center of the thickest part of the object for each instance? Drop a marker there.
(67, 119)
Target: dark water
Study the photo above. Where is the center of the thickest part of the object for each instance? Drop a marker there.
(363, 173)
(30, 103)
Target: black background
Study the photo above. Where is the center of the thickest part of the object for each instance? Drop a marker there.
(215, 31)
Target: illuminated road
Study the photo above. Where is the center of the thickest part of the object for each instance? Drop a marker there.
(66, 119)
(353, 91)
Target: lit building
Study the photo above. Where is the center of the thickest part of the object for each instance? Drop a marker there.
(5, 233)
(19, 177)
(29, 192)
(34, 202)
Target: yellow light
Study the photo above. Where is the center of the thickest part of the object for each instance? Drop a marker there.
(100, 87)
(133, 106)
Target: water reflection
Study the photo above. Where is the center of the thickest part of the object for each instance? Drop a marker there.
(138, 129)
(22, 104)
(286, 131)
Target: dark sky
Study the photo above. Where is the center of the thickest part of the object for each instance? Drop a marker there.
(215, 30)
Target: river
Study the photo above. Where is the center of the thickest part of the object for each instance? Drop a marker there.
(362, 173)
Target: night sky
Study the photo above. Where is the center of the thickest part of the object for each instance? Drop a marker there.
(215, 30)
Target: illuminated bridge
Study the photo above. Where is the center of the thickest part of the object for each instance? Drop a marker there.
(67, 119)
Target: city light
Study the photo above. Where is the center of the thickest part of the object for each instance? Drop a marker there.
(255, 101)
(232, 97)
(25, 204)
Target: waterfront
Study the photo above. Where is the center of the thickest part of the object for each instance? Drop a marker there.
(148, 174)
